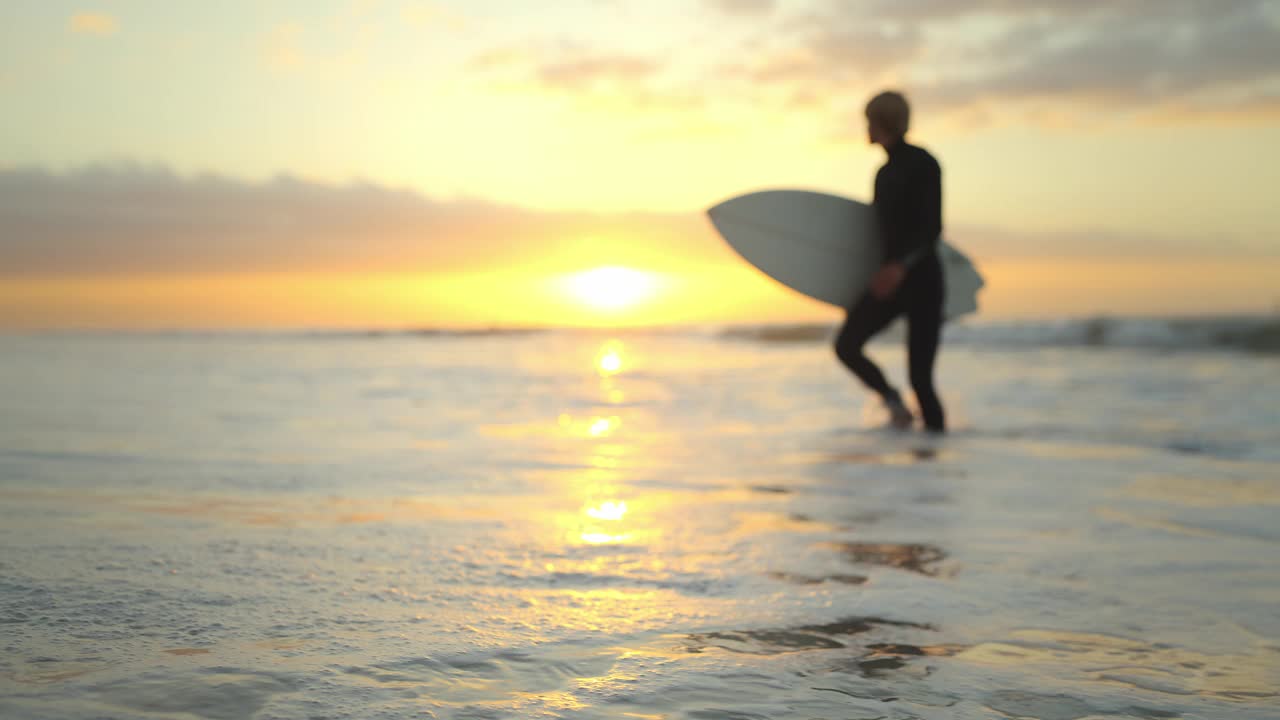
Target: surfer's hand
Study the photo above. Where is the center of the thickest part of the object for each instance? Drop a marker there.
(886, 280)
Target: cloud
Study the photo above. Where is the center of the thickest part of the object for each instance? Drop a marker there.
(130, 220)
(988, 242)
(943, 10)
(1125, 58)
(587, 73)
(743, 7)
(1143, 56)
(329, 46)
(89, 23)
(1066, 62)
(826, 58)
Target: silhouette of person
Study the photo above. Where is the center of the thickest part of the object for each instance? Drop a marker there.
(908, 206)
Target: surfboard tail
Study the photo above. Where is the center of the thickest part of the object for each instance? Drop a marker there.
(963, 281)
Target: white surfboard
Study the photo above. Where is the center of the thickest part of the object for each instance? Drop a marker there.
(825, 246)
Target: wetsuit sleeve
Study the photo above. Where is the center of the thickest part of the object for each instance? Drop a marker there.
(921, 219)
(909, 207)
(887, 203)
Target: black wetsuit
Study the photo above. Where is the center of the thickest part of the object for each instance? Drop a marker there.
(908, 203)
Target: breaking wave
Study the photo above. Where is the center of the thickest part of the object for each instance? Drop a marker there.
(1259, 334)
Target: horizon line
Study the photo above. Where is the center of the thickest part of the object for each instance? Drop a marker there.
(517, 328)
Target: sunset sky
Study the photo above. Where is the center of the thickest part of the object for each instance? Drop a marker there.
(493, 162)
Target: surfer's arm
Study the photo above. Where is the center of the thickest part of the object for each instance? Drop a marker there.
(920, 222)
(890, 204)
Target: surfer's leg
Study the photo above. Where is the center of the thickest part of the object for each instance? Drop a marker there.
(924, 332)
(868, 317)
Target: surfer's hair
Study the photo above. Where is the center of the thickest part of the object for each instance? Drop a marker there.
(889, 112)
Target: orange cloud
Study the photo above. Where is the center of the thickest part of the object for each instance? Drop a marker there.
(90, 23)
(636, 81)
(136, 247)
(129, 220)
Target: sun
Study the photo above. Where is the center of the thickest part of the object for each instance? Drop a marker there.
(611, 287)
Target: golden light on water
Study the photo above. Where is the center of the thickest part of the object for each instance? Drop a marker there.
(603, 538)
(600, 519)
(610, 362)
(609, 510)
(609, 359)
(603, 426)
(593, 427)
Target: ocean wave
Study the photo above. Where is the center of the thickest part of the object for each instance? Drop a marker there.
(1255, 334)
(444, 333)
(793, 333)
(1260, 334)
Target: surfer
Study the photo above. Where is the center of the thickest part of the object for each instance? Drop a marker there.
(908, 205)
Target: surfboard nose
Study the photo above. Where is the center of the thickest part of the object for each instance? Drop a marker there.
(743, 204)
(725, 206)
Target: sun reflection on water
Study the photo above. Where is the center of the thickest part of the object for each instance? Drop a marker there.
(599, 538)
(592, 427)
(610, 510)
(609, 359)
(599, 520)
(604, 426)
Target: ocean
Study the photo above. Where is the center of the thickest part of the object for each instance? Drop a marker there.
(693, 523)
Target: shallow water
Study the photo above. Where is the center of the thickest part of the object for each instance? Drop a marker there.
(645, 526)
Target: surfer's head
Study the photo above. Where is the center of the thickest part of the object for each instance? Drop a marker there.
(888, 117)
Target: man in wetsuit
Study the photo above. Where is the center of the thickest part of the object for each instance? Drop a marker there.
(908, 204)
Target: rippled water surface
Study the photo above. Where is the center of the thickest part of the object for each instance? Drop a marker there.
(642, 526)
